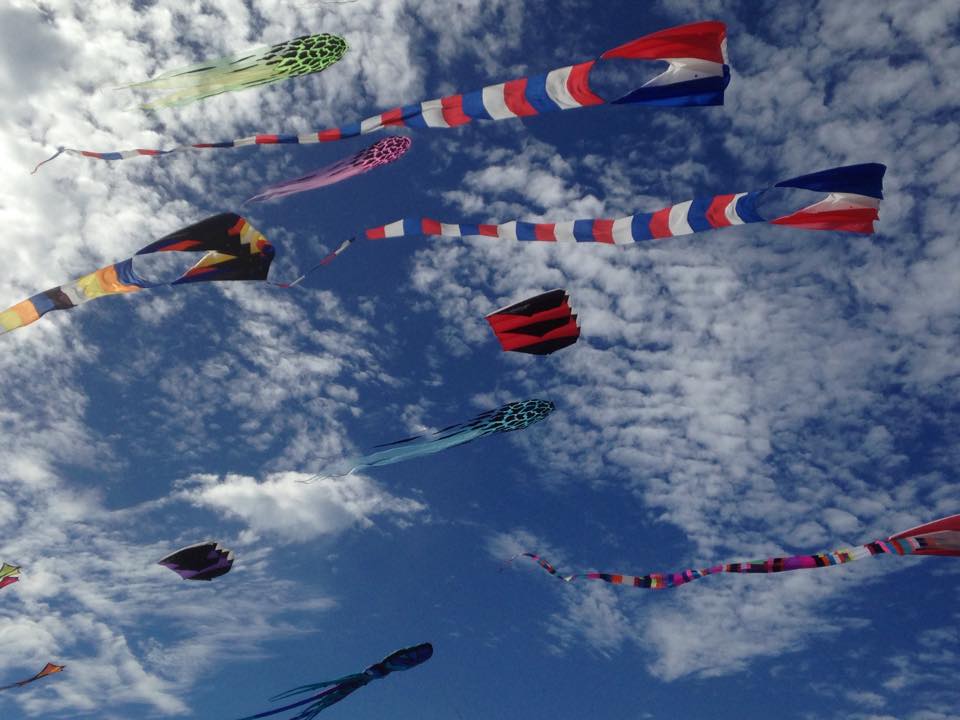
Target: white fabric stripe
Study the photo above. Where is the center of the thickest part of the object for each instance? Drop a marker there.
(432, 111)
(507, 231)
(129, 154)
(564, 232)
(450, 230)
(677, 221)
(394, 229)
(252, 140)
(730, 211)
(73, 292)
(307, 138)
(843, 201)
(685, 69)
(371, 124)
(557, 88)
(495, 103)
(623, 231)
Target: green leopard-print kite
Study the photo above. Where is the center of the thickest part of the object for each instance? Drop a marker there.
(293, 58)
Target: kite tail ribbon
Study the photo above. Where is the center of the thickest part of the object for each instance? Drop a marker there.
(330, 257)
(58, 153)
(697, 75)
(941, 537)
(852, 203)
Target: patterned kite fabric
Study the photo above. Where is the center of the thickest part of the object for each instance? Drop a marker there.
(852, 205)
(697, 75)
(944, 539)
(9, 574)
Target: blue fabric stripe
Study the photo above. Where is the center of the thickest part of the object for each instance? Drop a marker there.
(536, 94)
(111, 156)
(640, 227)
(469, 229)
(747, 207)
(526, 231)
(697, 214)
(287, 140)
(224, 144)
(865, 179)
(704, 91)
(42, 303)
(351, 130)
(412, 226)
(413, 116)
(583, 230)
(128, 276)
(473, 105)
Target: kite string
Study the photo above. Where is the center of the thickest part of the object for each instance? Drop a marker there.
(325, 261)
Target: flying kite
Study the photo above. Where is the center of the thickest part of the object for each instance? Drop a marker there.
(853, 199)
(234, 249)
(9, 574)
(382, 152)
(539, 325)
(697, 75)
(301, 56)
(940, 537)
(203, 561)
(512, 416)
(48, 669)
(338, 689)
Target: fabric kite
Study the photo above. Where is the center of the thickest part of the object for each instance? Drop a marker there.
(9, 574)
(852, 205)
(940, 537)
(304, 55)
(234, 249)
(697, 75)
(48, 669)
(512, 416)
(539, 325)
(203, 561)
(383, 152)
(337, 690)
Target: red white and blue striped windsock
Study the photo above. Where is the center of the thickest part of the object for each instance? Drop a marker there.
(697, 75)
(851, 205)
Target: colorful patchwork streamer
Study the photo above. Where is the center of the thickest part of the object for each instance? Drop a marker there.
(940, 537)
(852, 204)
(301, 56)
(383, 152)
(9, 574)
(48, 669)
(234, 249)
(337, 690)
(697, 75)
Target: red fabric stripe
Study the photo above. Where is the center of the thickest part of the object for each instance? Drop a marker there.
(603, 231)
(515, 97)
(512, 341)
(578, 85)
(545, 231)
(88, 153)
(716, 213)
(507, 322)
(392, 117)
(266, 139)
(429, 226)
(857, 220)
(696, 40)
(149, 152)
(378, 233)
(660, 224)
(182, 245)
(488, 230)
(453, 110)
(237, 227)
(328, 135)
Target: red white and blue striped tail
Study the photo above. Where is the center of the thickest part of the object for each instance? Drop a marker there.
(846, 186)
(697, 75)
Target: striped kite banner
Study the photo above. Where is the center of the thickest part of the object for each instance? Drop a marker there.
(697, 75)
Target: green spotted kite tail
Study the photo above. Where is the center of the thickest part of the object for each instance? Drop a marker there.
(301, 56)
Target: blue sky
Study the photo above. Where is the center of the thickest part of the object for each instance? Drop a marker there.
(736, 394)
